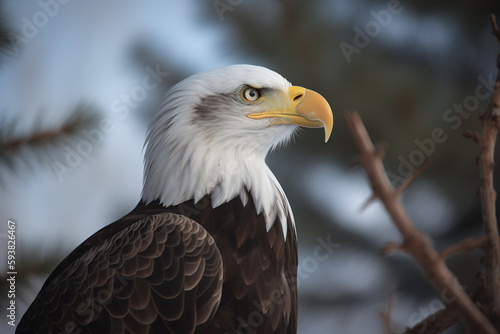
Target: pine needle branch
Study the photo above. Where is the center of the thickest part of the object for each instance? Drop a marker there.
(44, 145)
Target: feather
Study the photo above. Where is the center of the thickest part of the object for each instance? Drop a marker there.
(132, 302)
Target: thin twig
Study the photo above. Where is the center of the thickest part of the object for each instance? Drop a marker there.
(391, 247)
(386, 315)
(468, 245)
(494, 28)
(415, 242)
(474, 136)
(435, 323)
(406, 183)
(367, 203)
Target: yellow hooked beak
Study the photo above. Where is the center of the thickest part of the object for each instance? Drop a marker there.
(307, 108)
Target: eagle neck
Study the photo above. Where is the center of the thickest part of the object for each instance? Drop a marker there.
(179, 173)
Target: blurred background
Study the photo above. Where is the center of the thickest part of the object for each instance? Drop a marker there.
(80, 80)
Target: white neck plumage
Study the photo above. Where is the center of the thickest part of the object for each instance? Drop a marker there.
(190, 165)
(187, 174)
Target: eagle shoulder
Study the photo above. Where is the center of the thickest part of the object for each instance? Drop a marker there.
(159, 274)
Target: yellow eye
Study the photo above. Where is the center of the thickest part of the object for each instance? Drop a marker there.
(250, 94)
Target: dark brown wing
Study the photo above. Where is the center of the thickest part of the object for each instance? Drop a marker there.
(260, 267)
(161, 274)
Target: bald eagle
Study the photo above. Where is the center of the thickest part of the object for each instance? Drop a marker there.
(211, 247)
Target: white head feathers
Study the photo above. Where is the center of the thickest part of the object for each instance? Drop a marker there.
(201, 142)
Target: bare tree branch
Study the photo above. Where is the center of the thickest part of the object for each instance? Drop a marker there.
(487, 194)
(415, 243)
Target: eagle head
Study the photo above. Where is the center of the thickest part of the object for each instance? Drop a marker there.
(214, 130)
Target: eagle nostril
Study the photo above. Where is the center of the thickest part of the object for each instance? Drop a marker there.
(297, 97)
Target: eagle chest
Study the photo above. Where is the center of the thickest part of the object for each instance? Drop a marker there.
(260, 267)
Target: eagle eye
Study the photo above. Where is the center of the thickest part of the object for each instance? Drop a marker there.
(250, 94)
